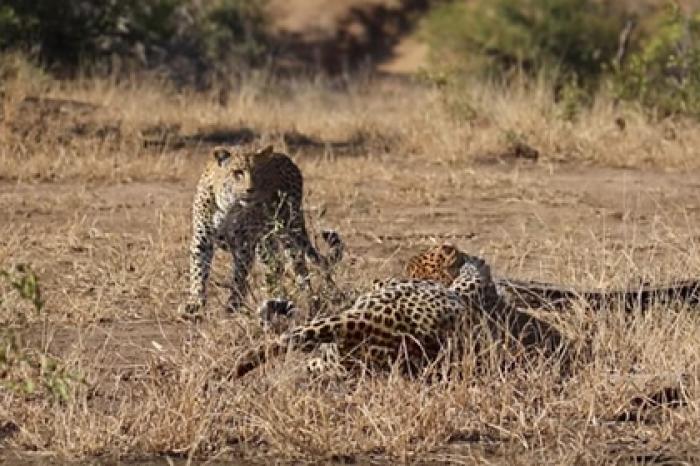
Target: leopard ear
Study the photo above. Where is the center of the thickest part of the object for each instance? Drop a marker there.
(264, 152)
(451, 255)
(448, 249)
(221, 155)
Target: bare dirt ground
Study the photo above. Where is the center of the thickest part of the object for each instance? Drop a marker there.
(513, 213)
(96, 181)
(343, 36)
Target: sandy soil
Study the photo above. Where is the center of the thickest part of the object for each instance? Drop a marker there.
(512, 213)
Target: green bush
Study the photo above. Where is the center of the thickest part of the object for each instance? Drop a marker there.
(61, 31)
(235, 27)
(664, 74)
(69, 33)
(574, 37)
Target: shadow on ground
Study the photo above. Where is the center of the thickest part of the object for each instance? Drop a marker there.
(61, 120)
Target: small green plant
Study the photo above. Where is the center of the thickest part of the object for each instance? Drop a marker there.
(268, 251)
(270, 248)
(664, 75)
(25, 282)
(24, 371)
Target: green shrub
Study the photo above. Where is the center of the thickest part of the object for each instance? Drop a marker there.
(59, 31)
(497, 36)
(235, 28)
(664, 74)
(150, 32)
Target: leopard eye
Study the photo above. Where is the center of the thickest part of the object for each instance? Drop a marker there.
(238, 174)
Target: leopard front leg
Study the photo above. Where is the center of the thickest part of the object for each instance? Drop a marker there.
(243, 254)
(201, 255)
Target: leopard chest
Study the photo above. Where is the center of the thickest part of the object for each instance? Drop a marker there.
(238, 226)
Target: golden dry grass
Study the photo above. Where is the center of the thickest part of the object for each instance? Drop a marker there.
(104, 223)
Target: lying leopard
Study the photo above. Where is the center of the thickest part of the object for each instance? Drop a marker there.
(410, 319)
(442, 264)
(249, 202)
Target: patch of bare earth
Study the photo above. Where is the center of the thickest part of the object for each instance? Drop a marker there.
(338, 37)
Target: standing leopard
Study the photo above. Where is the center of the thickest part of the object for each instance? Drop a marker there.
(249, 202)
(442, 263)
(410, 318)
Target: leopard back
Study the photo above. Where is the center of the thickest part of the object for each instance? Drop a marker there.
(399, 316)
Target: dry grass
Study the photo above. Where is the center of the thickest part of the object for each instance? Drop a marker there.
(104, 222)
(407, 119)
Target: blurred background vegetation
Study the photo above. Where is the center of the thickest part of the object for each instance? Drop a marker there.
(125, 35)
(646, 52)
(643, 52)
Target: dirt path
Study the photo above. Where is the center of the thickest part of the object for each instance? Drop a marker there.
(112, 258)
(343, 36)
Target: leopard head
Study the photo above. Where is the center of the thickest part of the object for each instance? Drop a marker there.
(233, 175)
(473, 279)
(441, 263)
